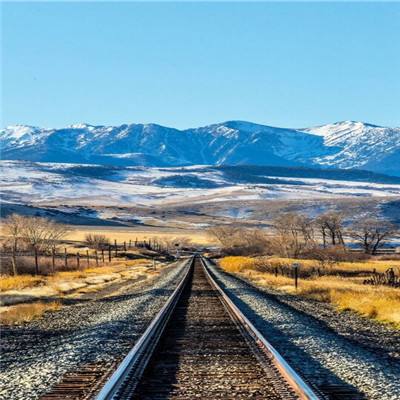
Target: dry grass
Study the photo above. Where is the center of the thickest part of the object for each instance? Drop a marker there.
(236, 264)
(20, 282)
(377, 302)
(120, 234)
(26, 312)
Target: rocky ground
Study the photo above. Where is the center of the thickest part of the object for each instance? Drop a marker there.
(329, 349)
(95, 328)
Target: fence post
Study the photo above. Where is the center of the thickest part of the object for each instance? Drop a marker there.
(130, 244)
(116, 249)
(36, 260)
(296, 274)
(53, 259)
(124, 246)
(109, 253)
(78, 260)
(102, 255)
(14, 257)
(276, 271)
(65, 258)
(87, 258)
(135, 242)
(97, 258)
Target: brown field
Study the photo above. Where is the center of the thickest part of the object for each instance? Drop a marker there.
(380, 303)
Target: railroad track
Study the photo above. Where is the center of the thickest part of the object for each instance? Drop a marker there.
(201, 346)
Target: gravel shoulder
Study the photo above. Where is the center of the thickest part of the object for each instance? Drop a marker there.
(329, 349)
(35, 355)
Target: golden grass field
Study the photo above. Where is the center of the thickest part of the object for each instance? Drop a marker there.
(20, 282)
(78, 233)
(62, 284)
(380, 303)
(237, 263)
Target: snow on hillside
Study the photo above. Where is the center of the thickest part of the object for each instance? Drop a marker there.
(45, 183)
(342, 145)
(360, 145)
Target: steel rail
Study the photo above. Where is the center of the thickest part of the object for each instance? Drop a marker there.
(302, 389)
(136, 360)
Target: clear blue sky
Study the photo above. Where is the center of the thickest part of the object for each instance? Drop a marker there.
(191, 64)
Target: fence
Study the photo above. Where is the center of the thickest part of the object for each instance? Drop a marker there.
(388, 278)
(60, 259)
(391, 277)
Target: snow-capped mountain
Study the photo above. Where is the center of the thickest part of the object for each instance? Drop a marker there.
(342, 145)
(361, 145)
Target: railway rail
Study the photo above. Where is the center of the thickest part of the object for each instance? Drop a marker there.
(200, 345)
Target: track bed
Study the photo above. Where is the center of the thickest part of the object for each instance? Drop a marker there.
(203, 353)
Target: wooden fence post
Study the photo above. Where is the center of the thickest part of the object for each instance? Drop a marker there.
(124, 246)
(130, 244)
(78, 260)
(97, 258)
(14, 257)
(102, 255)
(65, 258)
(109, 253)
(53, 259)
(296, 274)
(87, 258)
(36, 260)
(116, 249)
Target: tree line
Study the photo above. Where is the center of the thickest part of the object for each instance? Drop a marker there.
(38, 236)
(295, 235)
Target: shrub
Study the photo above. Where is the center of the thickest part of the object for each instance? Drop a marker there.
(97, 241)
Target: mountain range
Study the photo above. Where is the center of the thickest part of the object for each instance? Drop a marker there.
(347, 145)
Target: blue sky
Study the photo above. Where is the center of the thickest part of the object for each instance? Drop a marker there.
(191, 64)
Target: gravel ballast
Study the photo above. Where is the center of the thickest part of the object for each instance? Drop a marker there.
(35, 355)
(327, 349)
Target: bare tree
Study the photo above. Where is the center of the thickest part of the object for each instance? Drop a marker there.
(236, 240)
(330, 225)
(225, 234)
(294, 234)
(372, 234)
(41, 234)
(13, 226)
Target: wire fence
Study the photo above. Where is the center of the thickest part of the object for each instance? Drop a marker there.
(62, 258)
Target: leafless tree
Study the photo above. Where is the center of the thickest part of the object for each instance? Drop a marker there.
(13, 227)
(372, 234)
(237, 240)
(225, 234)
(293, 234)
(330, 225)
(41, 234)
